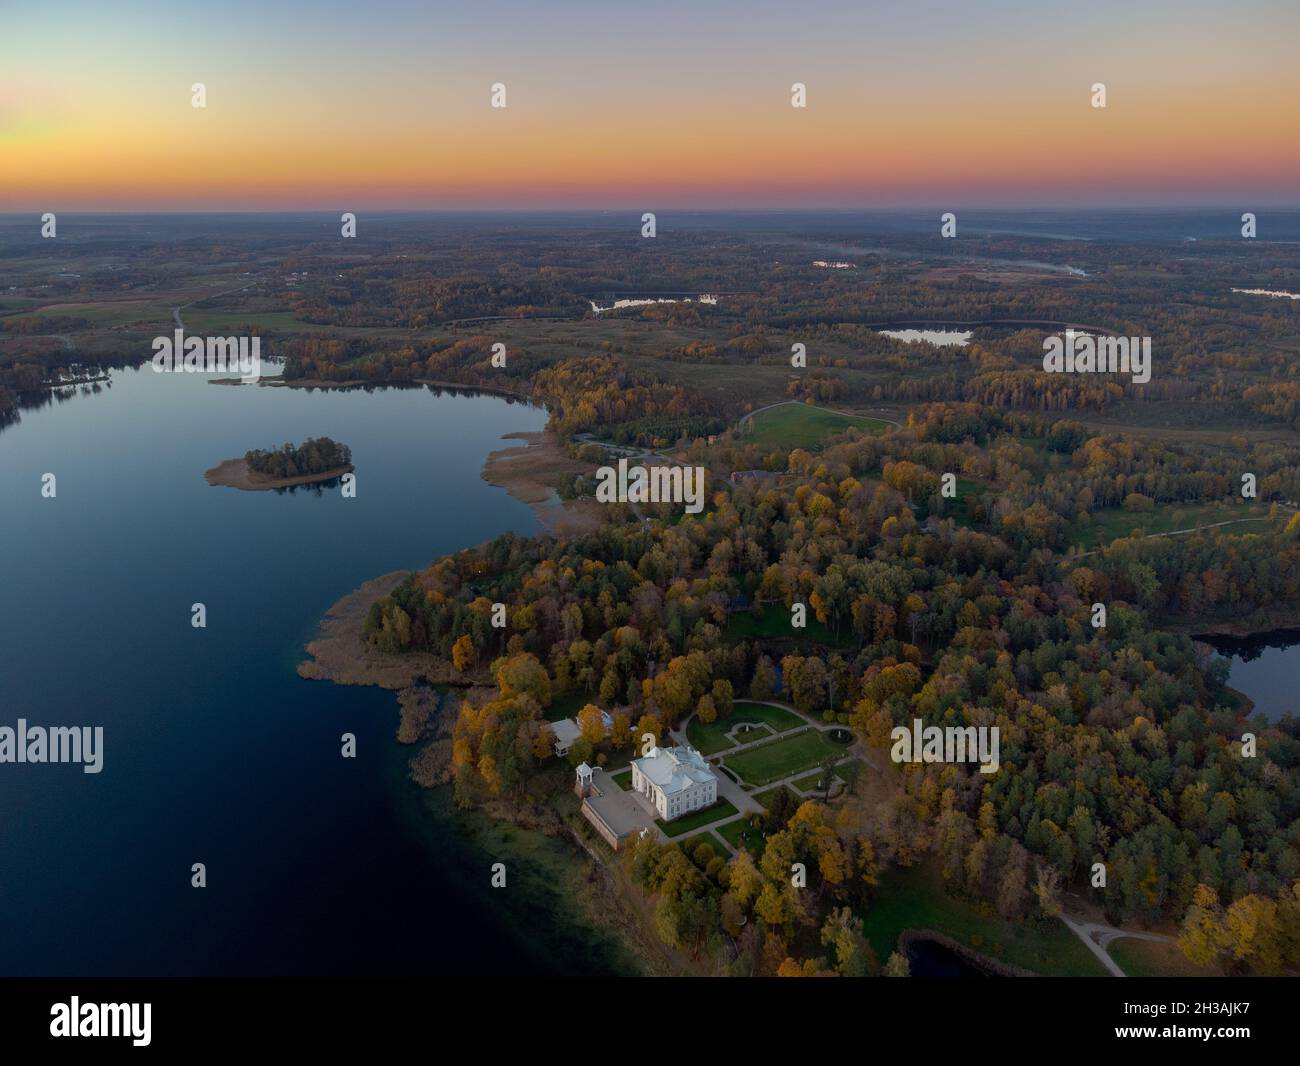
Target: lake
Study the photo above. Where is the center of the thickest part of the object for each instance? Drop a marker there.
(1265, 667)
(1279, 293)
(940, 337)
(214, 750)
(648, 301)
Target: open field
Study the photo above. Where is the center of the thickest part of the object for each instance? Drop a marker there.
(784, 757)
(914, 899)
(105, 314)
(1112, 524)
(803, 426)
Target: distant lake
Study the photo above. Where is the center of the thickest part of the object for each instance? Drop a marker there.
(941, 337)
(618, 305)
(215, 751)
(1270, 292)
(1266, 667)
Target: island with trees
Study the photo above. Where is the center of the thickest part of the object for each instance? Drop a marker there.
(317, 459)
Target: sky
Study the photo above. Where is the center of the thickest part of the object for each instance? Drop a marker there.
(613, 105)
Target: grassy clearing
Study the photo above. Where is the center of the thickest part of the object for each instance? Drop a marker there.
(1148, 958)
(774, 623)
(914, 899)
(804, 426)
(961, 510)
(568, 705)
(106, 313)
(781, 758)
(688, 823)
(623, 779)
(1112, 524)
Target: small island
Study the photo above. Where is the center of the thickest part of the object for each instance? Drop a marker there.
(316, 459)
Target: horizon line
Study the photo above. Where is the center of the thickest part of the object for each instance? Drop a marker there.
(1162, 207)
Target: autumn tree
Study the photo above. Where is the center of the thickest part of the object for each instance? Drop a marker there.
(462, 654)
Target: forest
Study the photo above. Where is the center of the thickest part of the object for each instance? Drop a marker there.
(1120, 744)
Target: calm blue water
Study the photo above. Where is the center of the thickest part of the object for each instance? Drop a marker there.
(215, 750)
(1265, 667)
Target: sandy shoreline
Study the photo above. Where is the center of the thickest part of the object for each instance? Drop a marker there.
(236, 474)
(529, 474)
(339, 653)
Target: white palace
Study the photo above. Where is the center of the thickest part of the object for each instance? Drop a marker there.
(676, 781)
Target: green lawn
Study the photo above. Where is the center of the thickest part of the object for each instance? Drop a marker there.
(623, 779)
(766, 799)
(568, 705)
(775, 623)
(739, 835)
(777, 717)
(710, 739)
(784, 757)
(615, 761)
(1114, 523)
(688, 823)
(810, 783)
(803, 426)
(914, 899)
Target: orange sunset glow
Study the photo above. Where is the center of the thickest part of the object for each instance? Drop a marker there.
(619, 114)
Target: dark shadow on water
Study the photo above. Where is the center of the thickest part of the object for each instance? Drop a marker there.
(1252, 647)
(316, 488)
(929, 958)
